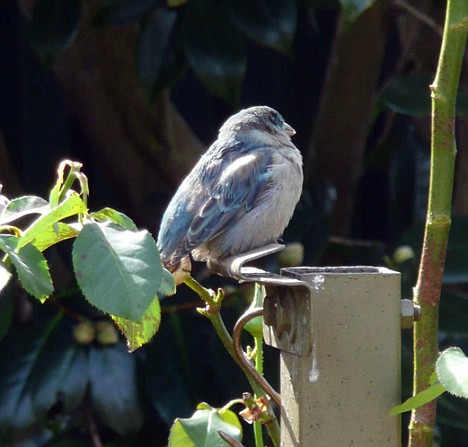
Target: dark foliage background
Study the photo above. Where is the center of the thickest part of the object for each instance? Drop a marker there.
(136, 89)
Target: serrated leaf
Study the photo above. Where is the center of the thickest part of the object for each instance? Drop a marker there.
(31, 266)
(109, 214)
(123, 12)
(420, 399)
(214, 49)
(452, 371)
(271, 23)
(55, 233)
(168, 285)
(137, 334)
(119, 271)
(72, 205)
(114, 392)
(201, 430)
(152, 45)
(352, 9)
(23, 206)
(54, 25)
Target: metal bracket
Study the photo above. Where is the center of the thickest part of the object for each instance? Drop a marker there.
(286, 305)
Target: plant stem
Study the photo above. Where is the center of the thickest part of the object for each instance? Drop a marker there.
(212, 312)
(443, 152)
(257, 425)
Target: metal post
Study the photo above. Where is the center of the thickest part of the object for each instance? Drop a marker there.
(340, 356)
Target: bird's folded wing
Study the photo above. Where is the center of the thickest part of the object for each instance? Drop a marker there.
(238, 185)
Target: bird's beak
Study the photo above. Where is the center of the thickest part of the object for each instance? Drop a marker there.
(288, 129)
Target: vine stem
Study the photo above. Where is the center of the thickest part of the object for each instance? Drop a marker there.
(438, 220)
(212, 312)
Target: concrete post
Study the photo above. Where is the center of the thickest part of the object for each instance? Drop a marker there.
(338, 389)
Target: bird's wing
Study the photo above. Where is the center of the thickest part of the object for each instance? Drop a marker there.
(237, 186)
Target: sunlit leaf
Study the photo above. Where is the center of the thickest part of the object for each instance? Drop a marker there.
(420, 399)
(119, 271)
(202, 430)
(452, 371)
(72, 205)
(23, 206)
(137, 334)
(168, 286)
(31, 266)
(52, 235)
(214, 49)
(109, 214)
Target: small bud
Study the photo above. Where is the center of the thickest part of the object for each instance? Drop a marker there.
(84, 332)
(292, 255)
(403, 254)
(106, 333)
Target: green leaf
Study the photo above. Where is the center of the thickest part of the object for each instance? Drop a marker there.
(123, 12)
(71, 206)
(352, 9)
(420, 399)
(410, 95)
(137, 334)
(20, 353)
(168, 285)
(109, 214)
(114, 392)
(214, 49)
(152, 46)
(54, 25)
(452, 371)
(271, 23)
(53, 234)
(61, 373)
(119, 271)
(31, 266)
(202, 429)
(23, 206)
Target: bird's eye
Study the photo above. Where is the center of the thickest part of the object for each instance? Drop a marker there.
(277, 120)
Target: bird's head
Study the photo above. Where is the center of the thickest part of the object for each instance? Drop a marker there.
(259, 123)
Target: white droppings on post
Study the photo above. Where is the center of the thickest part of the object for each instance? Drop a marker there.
(314, 371)
(318, 282)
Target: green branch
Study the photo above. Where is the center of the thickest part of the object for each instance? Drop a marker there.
(443, 152)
